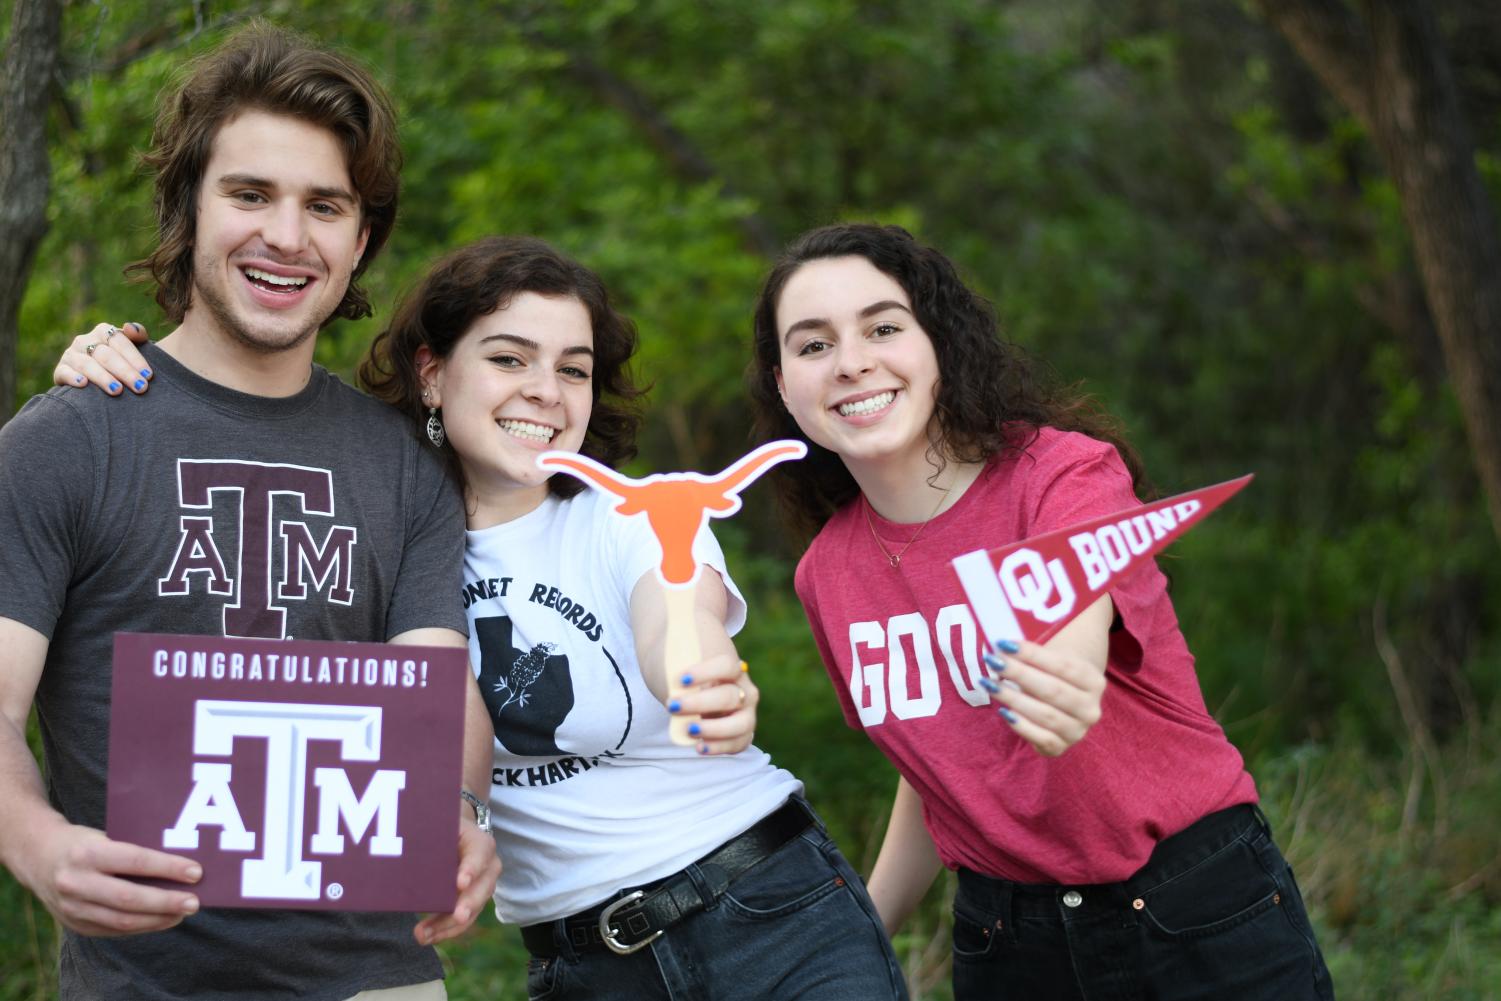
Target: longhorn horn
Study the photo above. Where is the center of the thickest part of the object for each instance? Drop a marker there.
(741, 474)
(585, 468)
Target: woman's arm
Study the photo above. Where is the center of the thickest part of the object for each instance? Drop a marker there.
(907, 864)
(113, 365)
(721, 691)
(1051, 694)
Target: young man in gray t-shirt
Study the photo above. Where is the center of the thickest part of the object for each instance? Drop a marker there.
(251, 494)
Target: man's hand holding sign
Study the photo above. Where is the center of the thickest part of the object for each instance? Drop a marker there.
(1042, 606)
(84, 879)
(302, 774)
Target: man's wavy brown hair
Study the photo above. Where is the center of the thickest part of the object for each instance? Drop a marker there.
(475, 281)
(262, 67)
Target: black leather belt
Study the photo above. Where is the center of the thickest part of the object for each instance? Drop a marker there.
(634, 919)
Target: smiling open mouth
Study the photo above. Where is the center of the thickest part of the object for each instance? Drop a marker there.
(867, 406)
(275, 283)
(527, 430)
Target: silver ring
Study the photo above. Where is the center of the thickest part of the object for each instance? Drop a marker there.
(90, 349)
(110, 330)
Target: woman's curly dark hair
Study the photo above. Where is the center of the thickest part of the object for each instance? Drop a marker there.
(475, 281)
(991, 398)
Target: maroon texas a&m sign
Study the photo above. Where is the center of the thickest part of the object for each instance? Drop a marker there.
(298, 774)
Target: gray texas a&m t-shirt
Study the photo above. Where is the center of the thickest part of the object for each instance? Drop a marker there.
(198, 509)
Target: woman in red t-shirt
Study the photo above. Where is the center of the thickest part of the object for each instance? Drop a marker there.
(1136, 864)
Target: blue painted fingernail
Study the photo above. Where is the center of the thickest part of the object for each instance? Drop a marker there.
(114, 387)
(994, 663)
(693, 730)
(674, 706)
(687, 680)
(989, 686)
(78, 379)
(703, 748)
(146, 372)
(1007, 646)
(1006, 714)
(140, 384)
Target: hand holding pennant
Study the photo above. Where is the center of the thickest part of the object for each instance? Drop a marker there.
(677, 506)
(1030, 589)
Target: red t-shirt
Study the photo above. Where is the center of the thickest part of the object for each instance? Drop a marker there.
(903, 652)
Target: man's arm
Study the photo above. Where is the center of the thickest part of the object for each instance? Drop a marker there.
(77, 872)
(479, 865)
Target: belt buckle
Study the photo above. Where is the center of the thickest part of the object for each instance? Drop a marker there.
(608, 933)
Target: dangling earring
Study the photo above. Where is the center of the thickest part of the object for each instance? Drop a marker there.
(434, 422)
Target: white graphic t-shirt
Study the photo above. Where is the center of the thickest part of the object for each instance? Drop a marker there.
(588, 794)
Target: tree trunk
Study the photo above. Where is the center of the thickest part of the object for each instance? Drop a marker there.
(1391, 72)
(31, 55)
(1431, 157)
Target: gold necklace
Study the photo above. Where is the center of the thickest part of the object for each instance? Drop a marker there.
(895, 559)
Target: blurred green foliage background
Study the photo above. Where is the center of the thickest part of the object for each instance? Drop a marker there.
(1163, 203)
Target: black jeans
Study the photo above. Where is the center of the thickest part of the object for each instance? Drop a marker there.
(1214, 915)
(797, 925)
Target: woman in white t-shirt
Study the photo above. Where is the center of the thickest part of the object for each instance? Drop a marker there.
(638, 868)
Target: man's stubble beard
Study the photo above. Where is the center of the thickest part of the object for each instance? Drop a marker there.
(225, 318)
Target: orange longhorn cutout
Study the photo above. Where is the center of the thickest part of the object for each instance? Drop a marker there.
(677, 505)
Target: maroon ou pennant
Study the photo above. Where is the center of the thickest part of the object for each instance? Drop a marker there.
(1033, 588)
(299, 773)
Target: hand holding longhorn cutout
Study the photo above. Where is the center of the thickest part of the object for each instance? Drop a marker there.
(677, 506)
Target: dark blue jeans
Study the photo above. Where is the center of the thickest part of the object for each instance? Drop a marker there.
(797, 925)
(1214, 915)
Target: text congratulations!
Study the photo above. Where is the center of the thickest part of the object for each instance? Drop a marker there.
(272, 668)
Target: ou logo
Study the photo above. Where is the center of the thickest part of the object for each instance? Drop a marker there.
(1041, 589)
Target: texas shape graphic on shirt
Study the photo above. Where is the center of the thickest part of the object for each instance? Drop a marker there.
(528, 692)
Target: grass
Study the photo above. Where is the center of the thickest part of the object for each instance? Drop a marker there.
(1397, 854)
(1398, 848)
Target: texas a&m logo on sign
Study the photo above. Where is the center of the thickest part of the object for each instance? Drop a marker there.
(299, 774)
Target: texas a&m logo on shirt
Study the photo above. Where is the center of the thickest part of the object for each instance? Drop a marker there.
(276, 556)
